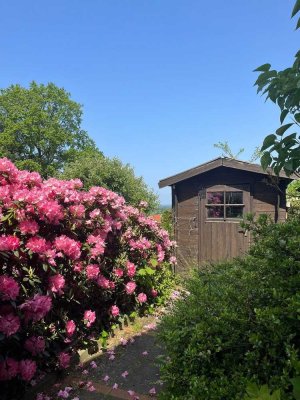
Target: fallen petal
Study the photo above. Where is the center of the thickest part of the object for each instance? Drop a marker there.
(124, 374)
(152, 391)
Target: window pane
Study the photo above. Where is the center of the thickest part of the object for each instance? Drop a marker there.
(234, 212)
(215, 212)
(234, 197)
(215, 197)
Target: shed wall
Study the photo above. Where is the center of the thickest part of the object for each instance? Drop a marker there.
(264, 198)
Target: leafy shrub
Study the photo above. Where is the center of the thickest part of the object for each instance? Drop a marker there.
(71, 262)
(240, 323)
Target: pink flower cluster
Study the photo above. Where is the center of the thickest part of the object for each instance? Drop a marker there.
(10, 368)
(69, 265)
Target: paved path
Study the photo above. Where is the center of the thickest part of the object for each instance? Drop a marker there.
(127, 370)
(134, 368)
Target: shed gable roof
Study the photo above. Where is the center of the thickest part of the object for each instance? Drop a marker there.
(219, 162)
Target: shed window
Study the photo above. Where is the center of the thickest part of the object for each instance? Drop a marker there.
(225, 205)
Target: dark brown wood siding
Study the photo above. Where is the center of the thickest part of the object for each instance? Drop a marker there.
(262, 198)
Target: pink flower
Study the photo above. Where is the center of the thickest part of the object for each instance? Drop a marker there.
(56, 283)
(93, 364)
(173, 260)
(130, 287)
(9, 324)
(68, 246)
(9, 243)
(145, 353)
(142, 298)
(131, 268)
(143, 204)
(9, 368)
(29, 227)
(118, 272)
(114, 311)
(92, 271)
(77, 267)
(70, 327)
(35, 345)
(9, 288)
(64, 359)
(115, 386)
(99, 245)
(103, 282)
(90, 317)
(8, 169)
(51, 210)
(36, 308)
(27, 369)
(154, 293)
(37, 245)
(77, 210)
(106, 378)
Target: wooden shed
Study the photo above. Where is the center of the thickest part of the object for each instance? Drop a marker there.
(209, 202)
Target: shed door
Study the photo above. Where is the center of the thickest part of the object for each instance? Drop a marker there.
(221, 209)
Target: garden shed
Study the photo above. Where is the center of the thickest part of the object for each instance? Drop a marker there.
(209, 202)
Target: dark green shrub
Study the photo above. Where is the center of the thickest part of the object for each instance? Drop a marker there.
(239, 324)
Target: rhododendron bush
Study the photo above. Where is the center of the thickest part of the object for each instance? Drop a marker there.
(72, 262)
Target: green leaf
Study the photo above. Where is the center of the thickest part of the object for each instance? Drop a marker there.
(283, 114)
(153, 262)
(265, 160)
(142, 272)
(269, 141)
(280, 131)
(296, 387)
(297, 117)
(263, 68)
(149, 271)
(296, 8)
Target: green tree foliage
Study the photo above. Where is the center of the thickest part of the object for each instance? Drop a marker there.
(293, 198)
(239, 325)
(281, 151)
(96, 170)
(167, 222)
(228, 152)
(40, 127)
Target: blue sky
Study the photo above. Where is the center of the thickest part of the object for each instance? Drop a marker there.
(160, 81)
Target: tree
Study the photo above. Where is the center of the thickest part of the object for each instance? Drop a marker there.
(96, 170)
(283, 88)
(227, 151)
(40, 127)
